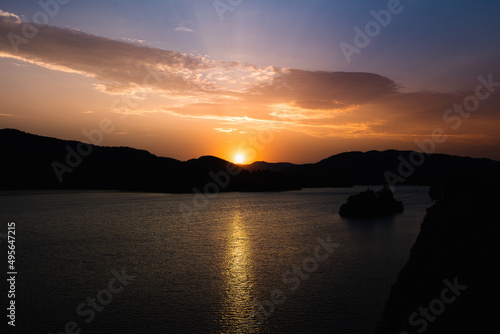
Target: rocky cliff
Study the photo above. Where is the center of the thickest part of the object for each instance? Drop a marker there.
(450, 283)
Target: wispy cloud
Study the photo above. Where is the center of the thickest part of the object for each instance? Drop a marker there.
(110, 61)
(225, 130)
(122, 66)
(184, 29)
(133, 40)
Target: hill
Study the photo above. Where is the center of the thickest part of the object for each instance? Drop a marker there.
(386, 167)
(262, 165)
(36, 162)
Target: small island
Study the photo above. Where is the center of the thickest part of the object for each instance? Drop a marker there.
(370, 204)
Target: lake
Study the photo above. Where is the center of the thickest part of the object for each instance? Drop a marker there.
(117, 262)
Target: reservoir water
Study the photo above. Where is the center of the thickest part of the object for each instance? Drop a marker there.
(115, 262)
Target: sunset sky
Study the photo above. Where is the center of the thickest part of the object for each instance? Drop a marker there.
(266, 79)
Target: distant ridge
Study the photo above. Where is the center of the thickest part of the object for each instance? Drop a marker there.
(262, 165)
(374, 167)
(36, 162)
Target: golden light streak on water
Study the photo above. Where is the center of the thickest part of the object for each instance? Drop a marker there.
(239, 279)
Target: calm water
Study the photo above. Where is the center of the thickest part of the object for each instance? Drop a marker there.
(208, 275)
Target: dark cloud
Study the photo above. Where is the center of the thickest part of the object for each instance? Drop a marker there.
(326, 90)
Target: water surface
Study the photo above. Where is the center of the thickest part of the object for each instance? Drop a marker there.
(208, 275)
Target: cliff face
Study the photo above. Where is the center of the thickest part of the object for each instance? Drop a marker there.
(450, 283)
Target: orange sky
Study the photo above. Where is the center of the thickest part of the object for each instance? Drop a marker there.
(65, 81)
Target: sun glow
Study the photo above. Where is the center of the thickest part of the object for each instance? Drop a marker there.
(239, 158)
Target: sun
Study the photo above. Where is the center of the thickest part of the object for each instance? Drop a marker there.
(239, 158)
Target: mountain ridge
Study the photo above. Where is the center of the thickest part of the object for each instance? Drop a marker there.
(40, 162)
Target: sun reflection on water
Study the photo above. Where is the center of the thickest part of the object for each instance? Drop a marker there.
(238, 279)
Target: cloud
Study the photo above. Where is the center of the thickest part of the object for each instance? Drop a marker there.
(13, 18)
(133, 40)
(115, 63)
(123, 66)
(326, 90)
(224, 130)
(318, 103)
(341, 104)
(184, 29)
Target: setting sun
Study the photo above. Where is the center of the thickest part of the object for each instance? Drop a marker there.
(239, 158)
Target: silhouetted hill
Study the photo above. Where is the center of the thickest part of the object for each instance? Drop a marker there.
(370, 168)
(450, 283)
(37, 162)
(34, 162)
(262, 165)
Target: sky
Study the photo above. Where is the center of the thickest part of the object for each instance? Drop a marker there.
(248, 80)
